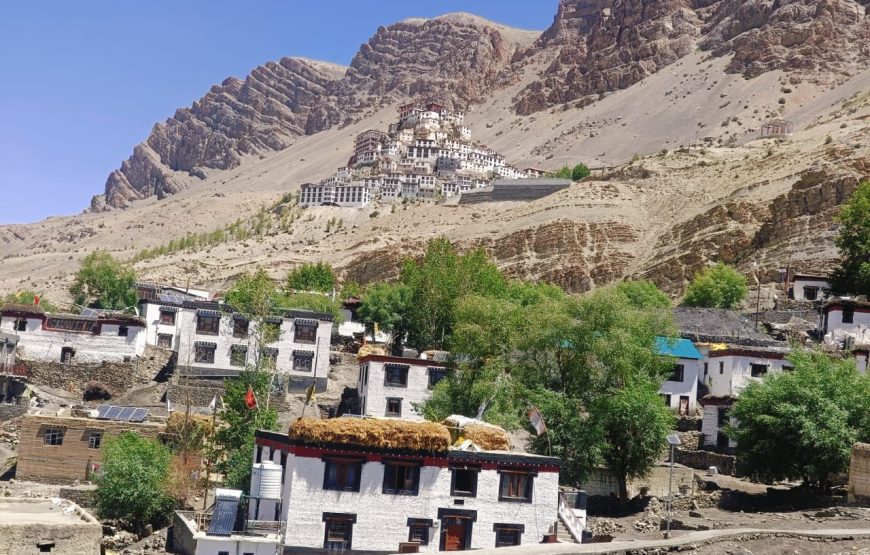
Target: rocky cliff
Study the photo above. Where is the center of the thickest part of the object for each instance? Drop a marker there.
(457, 57)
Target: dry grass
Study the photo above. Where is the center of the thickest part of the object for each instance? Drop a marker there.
(377, 433)
(488, 438)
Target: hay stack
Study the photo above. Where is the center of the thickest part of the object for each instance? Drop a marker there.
(488, 438)
(370, 350)
(373, 432)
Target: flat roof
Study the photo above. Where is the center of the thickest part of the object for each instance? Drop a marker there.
(18, 511)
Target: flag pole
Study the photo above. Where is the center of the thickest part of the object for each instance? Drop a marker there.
(208, 465)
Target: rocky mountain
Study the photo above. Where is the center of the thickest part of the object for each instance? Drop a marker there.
(456, 57)
(603, 46)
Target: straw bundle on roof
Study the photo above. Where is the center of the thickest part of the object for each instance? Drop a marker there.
(488, 438)
(376, 433)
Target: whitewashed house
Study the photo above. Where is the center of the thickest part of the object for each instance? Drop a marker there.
(391, 386)
(73, 338)
(806, 287)
(680, 390)
(846, 323)
(354, 496)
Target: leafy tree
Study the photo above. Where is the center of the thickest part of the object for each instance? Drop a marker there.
(104, 282)
(351, 289)
(718, 286)
(802, 424)
(580, 171)
(311, 277)
(133, 479)
(564, 172)
(314, 302)
(853, 240)
(643, 294)
(253, 294)
(25, 296)
(235, 438)
(632, 423)
(386, 304)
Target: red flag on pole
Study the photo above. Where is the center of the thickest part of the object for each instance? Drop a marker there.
(250, 398)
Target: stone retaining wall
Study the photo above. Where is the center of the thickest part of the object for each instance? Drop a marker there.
(703, 460)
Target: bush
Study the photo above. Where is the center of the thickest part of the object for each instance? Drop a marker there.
(718, 286)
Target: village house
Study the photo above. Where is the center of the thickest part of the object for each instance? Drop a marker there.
(57, 526)
(103, 337)
(374, 485)
(61, 449)
(680, 390)
(807, 287)
(391, 386)
(846, 322)
(215, 342)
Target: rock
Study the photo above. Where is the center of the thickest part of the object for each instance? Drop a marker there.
(695, 514)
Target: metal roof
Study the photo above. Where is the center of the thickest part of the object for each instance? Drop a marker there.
(677, 348)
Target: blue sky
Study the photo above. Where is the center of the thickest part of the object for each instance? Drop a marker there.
(83, 82)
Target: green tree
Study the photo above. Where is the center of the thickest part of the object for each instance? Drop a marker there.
(234, 439)
(387, 305)
(580, 171)
(632, 424)
(718, 286)
(132, 482)
(26, 296)
(314, 302)
(253, 294)
(643, 294)
(801, 425)
(311, 277)
(852, 276)
(104, 282)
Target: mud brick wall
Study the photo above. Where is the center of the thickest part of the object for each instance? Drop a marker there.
(198, 393)
(859, 473)
(702, 460)
(8, 412)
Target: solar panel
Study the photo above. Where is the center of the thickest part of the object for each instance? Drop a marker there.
(139, 415)
(101, 411)
(112, 413)
(125, 414)
(223, 518)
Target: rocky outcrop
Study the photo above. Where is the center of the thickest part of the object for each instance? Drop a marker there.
(457, 57)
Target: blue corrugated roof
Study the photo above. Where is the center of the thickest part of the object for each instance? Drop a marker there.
(677, 348)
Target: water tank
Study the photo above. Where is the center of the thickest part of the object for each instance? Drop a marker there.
(266, 481)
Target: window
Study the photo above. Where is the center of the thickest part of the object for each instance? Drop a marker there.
(223, 553)
(95, 439)
(787, 368)
(396, 375)
(401, 478)
(167, 317)
(269, 357)
(436, 375)
(303, 361)
(338, 532)
(394, 407)
(507, 535)
(164, 340)
(706, 368)
(53, 436)
(721, 367)
(342, 474)
(515, 486)
(678, 373)
(123, 331)
(238, 355)
(204, 352)
(463, 482)
(722, 417)
(240, 328)
(70, 324)
(848, 314)
(208, 324)
(67, 354)
(757, 370)
(271, 331)
(418, 530)
(304, 333)
(667, 399)
(811, 293)
(45, 547)
(20, 324)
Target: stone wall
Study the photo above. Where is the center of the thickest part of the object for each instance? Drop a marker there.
(8, 412)
(84, 496)
(655, 483)
(859, 473)
(179, 539)
(116, 377)
(198, 393)
(703, 460)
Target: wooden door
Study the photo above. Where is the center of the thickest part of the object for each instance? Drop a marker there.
(684, 405)
(455, 536)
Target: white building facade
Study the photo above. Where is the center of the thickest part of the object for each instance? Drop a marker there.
(349, 499)
(680, 390)
(810, 288)
(392, 386)
(73, 338)
(847, 320)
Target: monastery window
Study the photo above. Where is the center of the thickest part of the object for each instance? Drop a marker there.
(203, 352)
(401, 477)
(208, 324)
(303, 361)
(436, 375)
(342, 474)
(167, 317)
(21, 324)
(164, 340)
(507, 535)
(240, 328)
(238, 355)
(95, 439)
(305, 332)
(396, 375)
(463, 481)
(123, 331)
(418, 530)
(53, 435)
(678, 373)
(67, 354)
(758, 370)
(515, 485)
(338, 534)
(394, 407)
(848, 314)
